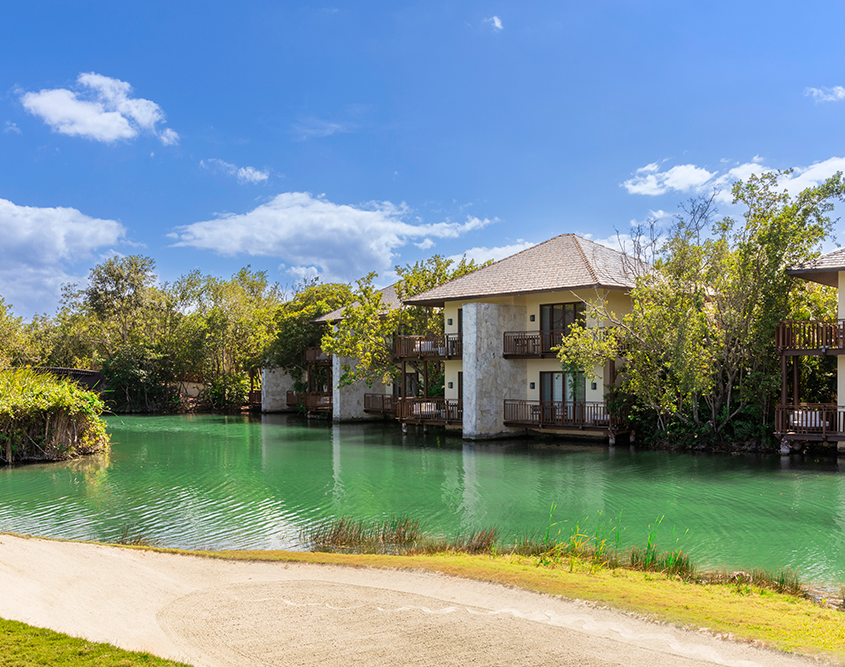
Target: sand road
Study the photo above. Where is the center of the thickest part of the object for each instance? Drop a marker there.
(214, 613)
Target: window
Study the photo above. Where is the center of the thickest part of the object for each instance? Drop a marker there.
(555, 322)
(558, 386)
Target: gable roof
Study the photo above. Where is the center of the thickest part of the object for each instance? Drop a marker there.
(567, 261)
(824, 269)
(388, 298)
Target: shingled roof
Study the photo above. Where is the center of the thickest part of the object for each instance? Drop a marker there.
(388, 297)
(824, 269)
(564, 262)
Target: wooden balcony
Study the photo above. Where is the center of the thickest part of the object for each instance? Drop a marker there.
(582, 415)
(435, 410)
(311, 401)
(810, 421)
(314, 356)
(811, 337)
(383, 404)
(528, 344)
(294, 398)
(449, 346)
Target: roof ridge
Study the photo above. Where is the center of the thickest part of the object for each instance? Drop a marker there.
(587, 263)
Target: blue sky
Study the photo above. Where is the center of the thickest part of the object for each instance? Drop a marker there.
(340, 138)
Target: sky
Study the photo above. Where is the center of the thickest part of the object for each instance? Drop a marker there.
(336, 139)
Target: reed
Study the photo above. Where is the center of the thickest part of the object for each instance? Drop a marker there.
(44, 418)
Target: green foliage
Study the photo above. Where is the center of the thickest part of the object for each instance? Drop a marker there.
(368, 329)
(699, 340)
(140, 380)
(43, 417)
(295, 329)
(227, 391)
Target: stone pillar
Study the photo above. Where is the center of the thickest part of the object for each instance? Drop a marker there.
(489, 378)
(275, 384)
(348, 400)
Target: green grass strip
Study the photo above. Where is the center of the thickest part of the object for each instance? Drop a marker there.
(22, 645)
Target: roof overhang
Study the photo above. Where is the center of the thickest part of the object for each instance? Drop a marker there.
(474, 297)
(824, 276)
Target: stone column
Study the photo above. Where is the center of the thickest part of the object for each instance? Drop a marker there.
(348, 400)
(489, 378)
(275, 384)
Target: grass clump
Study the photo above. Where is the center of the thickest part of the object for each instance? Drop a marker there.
(45, 418)
(22, 644)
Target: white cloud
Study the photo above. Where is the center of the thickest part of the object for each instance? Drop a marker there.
(425, 245)
(12, 127)
(494, 22)
(482, 254)
(243, 174)
(649, 180)
(689, 179)
(102, 109)
(834, 94)
(343, 242)
(40, 245)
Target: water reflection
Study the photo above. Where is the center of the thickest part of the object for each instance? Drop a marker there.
(240, 482)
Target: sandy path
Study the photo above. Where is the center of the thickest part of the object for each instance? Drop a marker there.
(218, 613)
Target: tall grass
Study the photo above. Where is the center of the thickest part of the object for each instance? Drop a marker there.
(46, 418)
(597, 548)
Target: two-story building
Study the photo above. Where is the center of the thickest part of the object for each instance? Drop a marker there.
(502, 322)
(800, 421)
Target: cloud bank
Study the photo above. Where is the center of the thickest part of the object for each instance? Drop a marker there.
(318, 237)
(41, 245)
(690, 179)
(101, 109)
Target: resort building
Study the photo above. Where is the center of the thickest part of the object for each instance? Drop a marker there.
(501, 325)
(796, 420)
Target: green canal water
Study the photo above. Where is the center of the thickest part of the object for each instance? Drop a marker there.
(238, 482)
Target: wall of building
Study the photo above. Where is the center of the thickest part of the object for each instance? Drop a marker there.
(348, 400)
(275, 384)
(489, 378)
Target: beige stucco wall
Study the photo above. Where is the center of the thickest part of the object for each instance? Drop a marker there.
(275, 384)
(489, 378)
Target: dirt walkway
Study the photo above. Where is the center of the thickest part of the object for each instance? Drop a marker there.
(219, 613)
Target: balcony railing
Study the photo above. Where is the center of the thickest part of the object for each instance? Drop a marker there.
(316, 356)
(812, 419)
(811, 335)
(426, 347)
(433, 410)
(565, 414)
(312, 401)
(531, 343)
(384, 404)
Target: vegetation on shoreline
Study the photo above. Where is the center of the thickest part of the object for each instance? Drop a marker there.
(22, 644)
(46, 418)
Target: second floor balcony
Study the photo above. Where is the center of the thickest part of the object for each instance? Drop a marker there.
(448, 346)
(528, 344)
(811, 337)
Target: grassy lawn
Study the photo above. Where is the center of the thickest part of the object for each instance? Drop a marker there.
(22, 645)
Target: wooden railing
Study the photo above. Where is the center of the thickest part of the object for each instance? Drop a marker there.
(810, 418)
(255, 397)
(312, 401)
(381, 403)
(315, 355)
(432, 410)
(811, 335)
(531, 343)
(418, 347)
(572, 414)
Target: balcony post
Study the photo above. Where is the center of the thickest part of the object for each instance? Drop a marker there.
(783, 378)
(795, 369)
